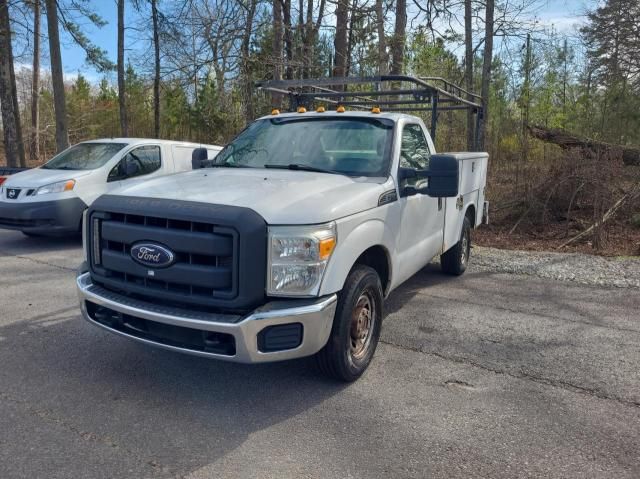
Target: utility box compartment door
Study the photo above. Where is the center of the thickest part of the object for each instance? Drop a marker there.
(472, 180)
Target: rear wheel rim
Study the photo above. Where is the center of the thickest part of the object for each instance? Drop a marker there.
(464, 253)
(362, 320)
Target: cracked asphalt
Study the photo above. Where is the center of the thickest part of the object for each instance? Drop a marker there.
(487, 375)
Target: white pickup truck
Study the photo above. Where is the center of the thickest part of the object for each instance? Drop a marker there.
(288, 245)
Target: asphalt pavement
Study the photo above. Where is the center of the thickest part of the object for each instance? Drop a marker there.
(485, 375)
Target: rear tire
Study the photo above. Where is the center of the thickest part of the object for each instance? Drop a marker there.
(356, 326)
(455, 260)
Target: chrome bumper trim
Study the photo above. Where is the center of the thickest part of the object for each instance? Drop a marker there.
(316, 316)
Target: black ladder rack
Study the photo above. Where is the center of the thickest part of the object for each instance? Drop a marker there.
(395, 93)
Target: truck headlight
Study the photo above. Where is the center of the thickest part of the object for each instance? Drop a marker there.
(298, 256)
(58, 187)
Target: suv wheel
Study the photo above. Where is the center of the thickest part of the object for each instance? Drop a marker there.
(356, 326)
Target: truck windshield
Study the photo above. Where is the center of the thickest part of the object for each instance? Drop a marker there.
(350, 146)
(84, 156)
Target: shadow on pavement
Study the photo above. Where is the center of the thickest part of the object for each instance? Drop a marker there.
(15, 243)
(430, 275)
(178, 411)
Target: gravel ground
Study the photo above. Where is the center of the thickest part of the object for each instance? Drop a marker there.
(621, 272)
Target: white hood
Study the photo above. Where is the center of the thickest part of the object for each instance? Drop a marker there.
(279, 196)
(37, 177)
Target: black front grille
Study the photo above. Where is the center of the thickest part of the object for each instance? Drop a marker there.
(177, 336)
(214, 247)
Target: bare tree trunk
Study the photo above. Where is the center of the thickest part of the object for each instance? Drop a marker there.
(307, 42)
(340, 40)
(124, 126)
(249, 114)
(156, 77)
(468, 69)
(351, 29)
(34, 149)
(399, 37)
(299, 51)
(62, 129)
(10, 116)
(486, 71)
(277, 46)
(383, 59)
(288, 38)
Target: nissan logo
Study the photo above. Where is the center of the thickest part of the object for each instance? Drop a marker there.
(152, 255)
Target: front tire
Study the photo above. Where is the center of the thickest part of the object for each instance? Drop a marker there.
(455, 260)
(356, 326)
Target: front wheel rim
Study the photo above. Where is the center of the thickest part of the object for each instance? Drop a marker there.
(362, 322)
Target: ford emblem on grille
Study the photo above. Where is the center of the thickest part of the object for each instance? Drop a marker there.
(152, 255)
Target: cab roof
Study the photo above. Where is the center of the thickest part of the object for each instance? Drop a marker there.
(135, 141)
(393, 116)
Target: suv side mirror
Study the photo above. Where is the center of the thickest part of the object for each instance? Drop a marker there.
(199, 158)
(131, 168)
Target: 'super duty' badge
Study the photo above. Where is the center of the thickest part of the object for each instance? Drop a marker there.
(152, 255)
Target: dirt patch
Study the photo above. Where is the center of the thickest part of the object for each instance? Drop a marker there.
(620, 240)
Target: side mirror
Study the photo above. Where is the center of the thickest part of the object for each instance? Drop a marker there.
(407, 174)
(131, 168)
(199, 158)
(443, 173)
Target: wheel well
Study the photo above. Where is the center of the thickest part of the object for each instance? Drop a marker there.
(471, 214)
(377, 258)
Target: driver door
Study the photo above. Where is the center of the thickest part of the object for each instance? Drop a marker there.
(141, 163)
(422, 225)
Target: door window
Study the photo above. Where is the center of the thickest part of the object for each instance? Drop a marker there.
(414, 153)
(140, 161)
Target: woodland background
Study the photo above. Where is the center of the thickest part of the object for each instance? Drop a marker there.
(191, 77)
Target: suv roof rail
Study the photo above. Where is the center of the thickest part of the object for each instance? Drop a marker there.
(395, 93)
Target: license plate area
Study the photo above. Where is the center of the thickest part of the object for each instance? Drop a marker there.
(13, 193)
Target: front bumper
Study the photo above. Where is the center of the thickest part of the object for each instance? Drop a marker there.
(42, 216)
(315, 316)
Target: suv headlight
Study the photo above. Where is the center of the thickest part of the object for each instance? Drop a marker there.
(58, 187)
(298, 256)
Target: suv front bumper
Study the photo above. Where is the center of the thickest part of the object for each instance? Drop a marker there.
(47, 217)
(137, 319)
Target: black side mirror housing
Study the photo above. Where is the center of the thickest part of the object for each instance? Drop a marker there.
(443, 173)
(131, 168)
(199, 158)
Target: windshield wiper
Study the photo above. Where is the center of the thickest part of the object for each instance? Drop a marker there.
(45, 167)
(301, 167)
(227, 165)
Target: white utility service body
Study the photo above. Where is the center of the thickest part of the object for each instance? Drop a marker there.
(323, 233)
(51, 198)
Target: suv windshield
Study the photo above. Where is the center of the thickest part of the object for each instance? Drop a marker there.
(351, 146)
(84, 156)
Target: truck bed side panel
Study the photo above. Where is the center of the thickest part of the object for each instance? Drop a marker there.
(473, 167)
